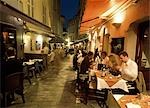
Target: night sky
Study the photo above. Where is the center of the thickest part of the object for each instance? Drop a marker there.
(69, 9)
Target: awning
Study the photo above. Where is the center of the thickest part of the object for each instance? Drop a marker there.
(80, 40)
(57, 40)
(96, 10)
(5, 8)
(44, 34)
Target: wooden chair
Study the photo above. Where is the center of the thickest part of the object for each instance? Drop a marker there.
(140, 83)
(99, 95)
(26, 73)
(14, 84)
(37, 68)
(137, 86)
(41, 66)
(132, 87)
(91, 94)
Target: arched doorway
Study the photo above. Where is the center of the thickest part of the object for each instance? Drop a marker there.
(142, 56)
(142, 48)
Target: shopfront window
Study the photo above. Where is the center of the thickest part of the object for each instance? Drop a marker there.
(8, 38)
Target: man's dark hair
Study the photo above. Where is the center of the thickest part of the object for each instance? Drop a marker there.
(104, 52)
(90, 53)
(124, 53)
(84, 53)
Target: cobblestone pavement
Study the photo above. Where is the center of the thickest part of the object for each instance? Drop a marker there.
(55, 88)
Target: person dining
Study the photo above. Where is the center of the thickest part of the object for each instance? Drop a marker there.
(129, 72)
(97, 59)
(104, 61)
(87, 61)
(113, 63)
(129, 68)
(80, 57)
(104, 58)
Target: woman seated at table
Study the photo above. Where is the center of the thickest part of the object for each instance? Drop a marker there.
(113, 63)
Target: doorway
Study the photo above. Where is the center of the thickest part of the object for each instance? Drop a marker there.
(8, 39)
(142, 50)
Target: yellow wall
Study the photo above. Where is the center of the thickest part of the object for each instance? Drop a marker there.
(11, 2)
(132, 14)
(38, 15)
(38, 10)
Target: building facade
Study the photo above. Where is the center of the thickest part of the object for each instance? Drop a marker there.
(73, 33)
(56, 22)
(27, 24)
(113, 26)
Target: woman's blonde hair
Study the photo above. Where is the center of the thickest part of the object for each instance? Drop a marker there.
(114, 60)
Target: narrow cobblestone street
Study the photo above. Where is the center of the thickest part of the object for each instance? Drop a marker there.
(55, 88)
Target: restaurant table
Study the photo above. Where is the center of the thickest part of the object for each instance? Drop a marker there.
(39, 60)
(110, 82)
(128, 101)
(29, 63)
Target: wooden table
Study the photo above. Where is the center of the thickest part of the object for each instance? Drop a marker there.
(120, 100)
(110, 79)
(28, 63)
(143, 101)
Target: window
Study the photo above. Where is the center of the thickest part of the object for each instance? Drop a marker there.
(28, 9)
(30, 6)
(44, 14)
(20, 5)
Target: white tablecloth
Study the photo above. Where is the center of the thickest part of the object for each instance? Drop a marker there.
(28, 63)
(118, 96)
(39, 60)
(102, 84)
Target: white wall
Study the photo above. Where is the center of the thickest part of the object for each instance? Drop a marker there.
(130, 44)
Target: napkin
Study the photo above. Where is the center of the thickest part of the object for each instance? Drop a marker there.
(131, 105)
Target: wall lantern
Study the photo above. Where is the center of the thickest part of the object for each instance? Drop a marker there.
(117, 25)
(118, 19)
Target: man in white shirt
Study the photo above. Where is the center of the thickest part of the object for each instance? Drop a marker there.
(129, 68)
(105, 58)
